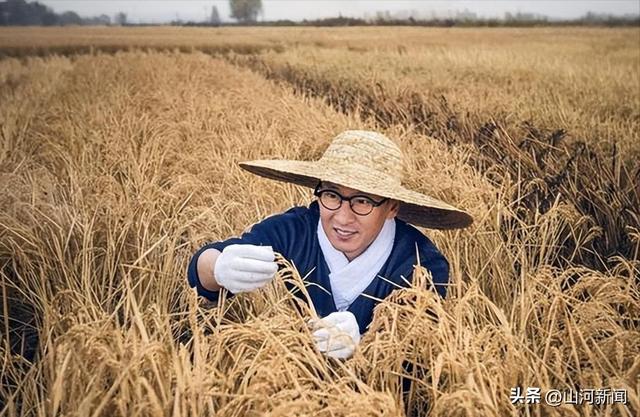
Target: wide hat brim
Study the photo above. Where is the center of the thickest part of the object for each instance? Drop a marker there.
(415, 208)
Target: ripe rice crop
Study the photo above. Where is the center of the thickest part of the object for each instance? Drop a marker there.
(117, 163)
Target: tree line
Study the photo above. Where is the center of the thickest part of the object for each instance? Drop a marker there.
(21, 13)
(246, 12)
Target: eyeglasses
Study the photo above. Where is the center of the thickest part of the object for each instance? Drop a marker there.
(360, 204)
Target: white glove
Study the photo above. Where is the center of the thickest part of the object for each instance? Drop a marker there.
(244, 268)
(337, 334)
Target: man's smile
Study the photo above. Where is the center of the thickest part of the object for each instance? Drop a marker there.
(344, 233)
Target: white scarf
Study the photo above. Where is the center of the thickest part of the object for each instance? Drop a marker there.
(350, 279)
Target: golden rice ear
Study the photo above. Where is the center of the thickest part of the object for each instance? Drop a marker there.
(289, 273)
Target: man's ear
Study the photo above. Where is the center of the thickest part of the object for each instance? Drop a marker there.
(394, 208)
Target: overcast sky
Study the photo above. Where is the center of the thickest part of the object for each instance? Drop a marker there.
(164, 10)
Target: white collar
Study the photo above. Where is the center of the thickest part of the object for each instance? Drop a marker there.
(350, 279)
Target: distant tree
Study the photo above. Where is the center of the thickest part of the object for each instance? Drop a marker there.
(383, 16)
(4, 14)
(245, 11)
(50, 18)
(36, 13)
(18, 12)
(215, 16)
(104, 19)
(120, 18)
(70, 18)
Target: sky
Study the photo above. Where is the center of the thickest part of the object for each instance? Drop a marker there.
(158, 11)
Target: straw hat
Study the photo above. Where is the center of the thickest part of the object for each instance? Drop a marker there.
(369, 162)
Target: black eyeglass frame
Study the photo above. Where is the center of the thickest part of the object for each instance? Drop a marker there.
(318, 193)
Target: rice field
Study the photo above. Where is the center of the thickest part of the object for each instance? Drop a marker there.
(118, 159)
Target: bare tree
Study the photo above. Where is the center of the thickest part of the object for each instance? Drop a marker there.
(121, 18)
(245, 11)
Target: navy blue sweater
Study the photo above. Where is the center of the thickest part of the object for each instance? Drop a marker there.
(294, 235)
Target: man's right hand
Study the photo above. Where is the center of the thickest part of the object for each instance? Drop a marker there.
(244, 268)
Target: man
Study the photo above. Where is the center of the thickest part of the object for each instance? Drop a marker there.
(353, 241)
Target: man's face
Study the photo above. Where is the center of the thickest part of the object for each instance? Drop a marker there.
(349, 232)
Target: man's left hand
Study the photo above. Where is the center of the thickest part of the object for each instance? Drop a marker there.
(337, 334)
